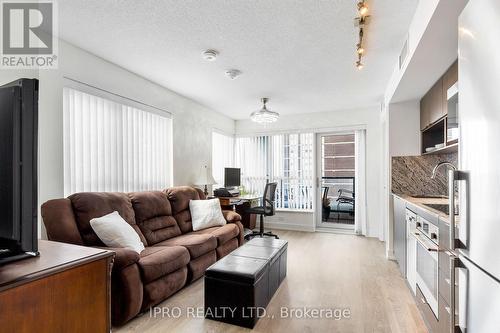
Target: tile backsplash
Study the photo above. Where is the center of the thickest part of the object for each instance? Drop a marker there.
(411, 175)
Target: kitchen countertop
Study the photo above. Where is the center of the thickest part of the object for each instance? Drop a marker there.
(420, 203)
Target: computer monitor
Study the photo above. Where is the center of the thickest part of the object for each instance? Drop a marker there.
(232, 177)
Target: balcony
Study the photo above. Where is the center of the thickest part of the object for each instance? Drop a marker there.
(338, 200)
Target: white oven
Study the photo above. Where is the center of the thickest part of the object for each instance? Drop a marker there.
(427, 236)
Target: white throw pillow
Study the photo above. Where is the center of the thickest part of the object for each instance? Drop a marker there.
(206, 214)
(114, 231)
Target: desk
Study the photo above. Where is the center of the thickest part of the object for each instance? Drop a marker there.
(240, 204)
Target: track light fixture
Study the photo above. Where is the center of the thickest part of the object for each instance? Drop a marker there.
(362, 8)
(361, 22)
(360, 49)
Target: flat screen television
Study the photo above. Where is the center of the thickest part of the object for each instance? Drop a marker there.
(232, 177)
(18, 170)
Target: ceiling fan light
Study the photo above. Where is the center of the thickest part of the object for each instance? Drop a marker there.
(264, 116)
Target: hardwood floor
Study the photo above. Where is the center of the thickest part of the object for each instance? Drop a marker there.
(325, 271)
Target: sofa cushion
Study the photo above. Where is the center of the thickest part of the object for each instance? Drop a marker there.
(179, 198)
(226, 248)
(159, 261)
(123, 257)
(223, 234)
(206, 214)
(197, 245)
(198, 266)
(115, 232)
(89, 205)
(153, 215)
(157, 291)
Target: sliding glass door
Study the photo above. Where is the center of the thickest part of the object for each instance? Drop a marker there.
(336, 180)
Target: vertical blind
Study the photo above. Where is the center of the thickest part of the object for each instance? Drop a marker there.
(222, 156)
(284, 158)
(110, 146)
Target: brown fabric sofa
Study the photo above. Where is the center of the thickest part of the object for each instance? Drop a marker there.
(174, 255)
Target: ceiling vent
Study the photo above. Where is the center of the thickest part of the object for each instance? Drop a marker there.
(210, 55)
(233, 73)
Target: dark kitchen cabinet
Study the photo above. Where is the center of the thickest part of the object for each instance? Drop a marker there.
(436, 120)
(424, 111)
(400, 233)
(449, 79)
(431, 105)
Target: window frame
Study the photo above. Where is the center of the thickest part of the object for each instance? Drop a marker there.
(88, 89)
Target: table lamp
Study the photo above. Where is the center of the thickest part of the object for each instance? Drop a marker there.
(205, 178)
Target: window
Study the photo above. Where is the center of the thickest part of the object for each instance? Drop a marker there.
(113, 145)
(284, 158)
(222, 156)
(338, 167)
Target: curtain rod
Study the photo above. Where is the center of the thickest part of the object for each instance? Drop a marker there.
(115, 94)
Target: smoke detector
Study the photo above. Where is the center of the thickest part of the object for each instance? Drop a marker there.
(233, 73)
(210, 55)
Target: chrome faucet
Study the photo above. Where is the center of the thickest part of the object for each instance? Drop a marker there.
(440, 164)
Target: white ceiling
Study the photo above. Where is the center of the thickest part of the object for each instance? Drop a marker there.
(301, 54)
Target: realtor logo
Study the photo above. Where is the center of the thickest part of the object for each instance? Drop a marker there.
(28, 34)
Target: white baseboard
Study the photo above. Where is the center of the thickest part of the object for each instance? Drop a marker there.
(390, 255)
(336, 231)
(289, 226)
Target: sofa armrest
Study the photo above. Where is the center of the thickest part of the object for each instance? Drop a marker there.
(124, 257)
(231, 216)
(60, 222)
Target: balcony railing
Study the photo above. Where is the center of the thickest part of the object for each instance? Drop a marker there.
(337, 211)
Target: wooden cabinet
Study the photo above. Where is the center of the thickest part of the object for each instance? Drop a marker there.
(449, 79)
(66, 289)
(431, 105)
(400, 233)
(424, 111)
(434, 112)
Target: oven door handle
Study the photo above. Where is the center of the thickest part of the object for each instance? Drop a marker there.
(425, 244)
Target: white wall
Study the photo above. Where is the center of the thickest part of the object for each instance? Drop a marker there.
(419, 22)
(368, 117)
(404, 128)
(192, 123)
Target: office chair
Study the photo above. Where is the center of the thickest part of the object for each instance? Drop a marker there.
(267, 209)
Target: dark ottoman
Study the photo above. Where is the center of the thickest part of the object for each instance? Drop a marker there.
(239, 286)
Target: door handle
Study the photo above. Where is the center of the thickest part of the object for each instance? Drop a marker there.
(455, 263)
(453, 177)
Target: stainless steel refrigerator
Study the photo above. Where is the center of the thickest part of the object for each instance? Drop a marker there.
(477, 266)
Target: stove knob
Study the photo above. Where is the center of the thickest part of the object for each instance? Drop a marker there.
(434, 235)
